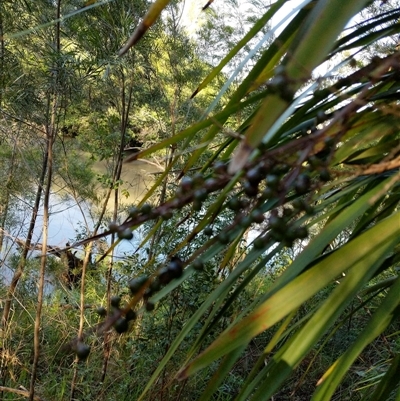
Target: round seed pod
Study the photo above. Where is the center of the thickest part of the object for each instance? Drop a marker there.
(250, 190)
(200, 194)
(198, 179)
(220, 167)
(115, 301)
(302, 184)
(234, 203)
(148, 292)
(133, 212)
(82, 350)
(155, 285)
(101, 311)
(321, 116)
(267, 193)
(272, 181)
(186, 184)
(314, 161)
(210, 184)
(150, 306)
(208, 231)
(280, 169)
(198, 264)
(245, 221)
(164, 275)
(244, 203)
(130, 315)
(287, 212)
(121, 325)
(301, 232)
(324, 175)
(113, 226)
(277, 224)
(223, 237)
(257, 216)
(125, 234)
(136, 284)
(197, 205)
(308, 209)
(298, 204)
(146, 209)
(175, 267)
(277, 235)
(254, 176)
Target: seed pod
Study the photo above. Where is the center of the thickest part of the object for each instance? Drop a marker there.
(113, 227)
(148, 292)
(136, 284)
(208, 231)
(130, 315)
(155, 285)
(275, 222)
(200, 194)
(254, 176)
(223, 237)
(211, 184)
(146, 209)
(324, 175)
(82, 350)
(267, 193)
(298, 204)
(245, 221)
(133, 212)
(121, 325)
(301, 232)
(198, 264)
(302, 184)
(257, 216)
(150, 306)
(115, 301)
(175, 267)
(186, 184)
(125, 234)
(101, 311)
(197, 205)
(234, 203)
(250, 190)
(220, 167)
(272, 181)
(164, 275)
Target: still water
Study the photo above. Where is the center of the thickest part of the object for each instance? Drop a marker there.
(68, 219)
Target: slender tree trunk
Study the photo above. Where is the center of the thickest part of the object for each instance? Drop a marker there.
(51, 136)
(43, 262)
(126, 106)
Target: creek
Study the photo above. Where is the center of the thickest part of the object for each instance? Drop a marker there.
(67, 218)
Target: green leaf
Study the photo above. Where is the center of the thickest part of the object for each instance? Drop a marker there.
(368, 248)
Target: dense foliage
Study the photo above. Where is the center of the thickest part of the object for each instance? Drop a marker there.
(264, 252)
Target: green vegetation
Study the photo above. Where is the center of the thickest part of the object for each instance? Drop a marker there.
(260, 261)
